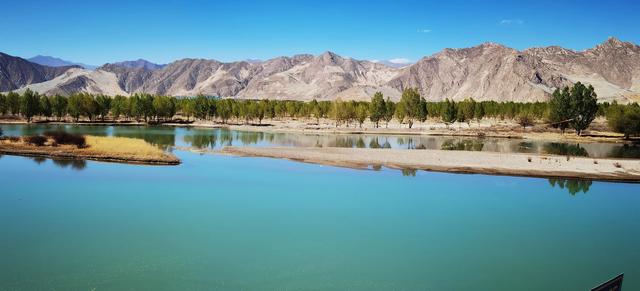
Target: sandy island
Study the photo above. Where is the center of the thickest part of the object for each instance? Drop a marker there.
(106, 149)
(512, 164)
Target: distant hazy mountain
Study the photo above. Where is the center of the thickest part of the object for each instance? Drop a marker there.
(485, 72)
(394, 63)
(56, 62)
(137, 64)
(16, 72)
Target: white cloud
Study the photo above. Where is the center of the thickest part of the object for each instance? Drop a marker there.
(400, 61)
(512, 21)
(424, 30)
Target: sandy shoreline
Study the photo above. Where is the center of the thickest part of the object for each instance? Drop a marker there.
(530, 165)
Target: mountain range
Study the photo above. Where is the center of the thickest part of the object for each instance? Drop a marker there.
(488, 71)
(57, 62)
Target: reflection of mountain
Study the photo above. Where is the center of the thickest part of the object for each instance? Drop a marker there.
(572, 185)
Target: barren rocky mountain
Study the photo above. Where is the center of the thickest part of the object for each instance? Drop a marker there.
(17, 72)
(485, 72)
(139, 63)
(612, 67)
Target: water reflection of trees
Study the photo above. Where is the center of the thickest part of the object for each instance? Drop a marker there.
(74, 164)
(408, 172)
(32, 129)
(572, 185)
(39, 160)
(565, 149)
(628, 151)
(463, 145)
(162, 137)
(226, 137)
(201, 141)
(525, 147)
(250, 137)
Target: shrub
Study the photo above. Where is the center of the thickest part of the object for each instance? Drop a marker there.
(624, 119)
(525, 120)
(61, 137)
(37, 140)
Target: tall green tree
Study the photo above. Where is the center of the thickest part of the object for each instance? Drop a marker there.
(103, 106)
(584, 106)
(119, 106)
(361, 111)
(74, 106)
(624, 119)
(29, 104)
(164, 107)
(146, 104)
(378, 108)
(46, 108)
(89, 106)
(59, 106)
(4, 106)
(576, 107)
(560, 114)
(410, 105)
(478, 111)
(13, 103)
(389, 111)
(423, 112)
(449, 111)
(225, 109)
(201, 107)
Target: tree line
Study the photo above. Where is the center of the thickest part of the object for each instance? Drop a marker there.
(571, 107)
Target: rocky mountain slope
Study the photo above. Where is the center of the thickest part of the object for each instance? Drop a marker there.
(17, 72)
(485, 72)
(612, 67)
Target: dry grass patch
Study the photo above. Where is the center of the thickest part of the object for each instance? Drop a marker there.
(123, 146)
(116, 149)
(126, 148)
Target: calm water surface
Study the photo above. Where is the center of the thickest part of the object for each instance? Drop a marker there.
(215, 138)
(219, 222)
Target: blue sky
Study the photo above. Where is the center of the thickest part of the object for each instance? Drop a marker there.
(95, 32)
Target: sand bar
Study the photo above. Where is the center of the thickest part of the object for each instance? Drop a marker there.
(513, 164)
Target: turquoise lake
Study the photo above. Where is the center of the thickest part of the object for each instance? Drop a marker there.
(231, 223)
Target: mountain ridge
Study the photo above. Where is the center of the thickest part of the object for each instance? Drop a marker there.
(488, 71)
(57, 62)
(16, 72)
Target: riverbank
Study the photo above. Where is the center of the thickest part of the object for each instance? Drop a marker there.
(106, 149)
(494, 128)
(531, 165)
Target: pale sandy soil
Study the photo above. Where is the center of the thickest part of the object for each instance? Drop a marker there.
(485, 128)
(109, 149)
(455, 161)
